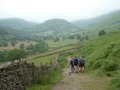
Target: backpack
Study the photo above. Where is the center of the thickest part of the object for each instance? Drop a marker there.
(82, 62)
(71, 63)
(79, 60)
(76, 62)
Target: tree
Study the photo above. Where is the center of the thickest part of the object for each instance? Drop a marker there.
(30, 47)
(16, 54)
(56, 39)
(2, 56)
(41, 47)
(22, 46)
(71, 37)
(13, 43)
(3, 43)
(86, 38)
(102, 32)
(79, 37)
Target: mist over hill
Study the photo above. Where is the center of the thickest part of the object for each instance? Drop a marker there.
(58, 25)
(108, 22)
(16, 23)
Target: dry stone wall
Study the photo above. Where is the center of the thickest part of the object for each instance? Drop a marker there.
(20, 74)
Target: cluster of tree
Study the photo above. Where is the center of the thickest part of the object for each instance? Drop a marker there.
(59, 36)
(40, 47)
(79, 37)
(2, 32)
(3, 43)
(12, 55)
(11, 35)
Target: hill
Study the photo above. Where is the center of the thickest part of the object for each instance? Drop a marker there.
(108, 22)
(57, 25)
(8, 34)
(16, 23)
(103, 53)
(7, 31)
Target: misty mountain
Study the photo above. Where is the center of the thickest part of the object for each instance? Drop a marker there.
(16, 23)
(59, 25)
(7, 31)
(110, 21)
(3, 31)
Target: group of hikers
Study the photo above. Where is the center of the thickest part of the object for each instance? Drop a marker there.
(76, 64)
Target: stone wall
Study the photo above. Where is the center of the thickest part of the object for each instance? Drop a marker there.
(20, 74)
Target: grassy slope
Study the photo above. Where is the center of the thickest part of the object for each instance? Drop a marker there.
(61, 43)
(104, 48)
(103, 56)
(108, 22)
(44, 60)
(54, 76)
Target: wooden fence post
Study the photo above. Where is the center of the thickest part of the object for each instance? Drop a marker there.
(41, 64)
(21, 69)
(51, 62)
(46, 63)
(33, 73)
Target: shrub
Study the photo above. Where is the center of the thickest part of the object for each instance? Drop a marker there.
(102, 32)
(2, 56)
(13, 43)
(110, 65)
(116, 82)
(3, 43)
(30, 47)
(41, 47)
(16, 54)
(22, 46)
(97, 64)
(62, 60)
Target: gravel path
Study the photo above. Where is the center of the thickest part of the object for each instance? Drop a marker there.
(80, 81)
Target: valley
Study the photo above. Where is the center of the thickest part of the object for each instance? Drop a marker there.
(54, 40)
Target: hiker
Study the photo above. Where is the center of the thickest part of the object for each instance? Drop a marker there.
(76, 64)
(82, 64)
(71, 62)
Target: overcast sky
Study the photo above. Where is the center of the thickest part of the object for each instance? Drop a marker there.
(41, 10)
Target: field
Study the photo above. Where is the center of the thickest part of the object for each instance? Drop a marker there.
(61, 43)
(47, 59)
(10, 47)
(56, 48)
(52, 45)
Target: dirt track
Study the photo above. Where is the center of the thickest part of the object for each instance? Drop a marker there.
(80, 81)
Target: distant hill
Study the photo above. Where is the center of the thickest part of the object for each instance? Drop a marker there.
(110, 21)
(7, 31)
(59, 25)
(3, 31)
(16, 23)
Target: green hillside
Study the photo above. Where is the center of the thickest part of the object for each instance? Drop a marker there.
(54, 25)
(8, 34)
(103, 53)
(108, 22)
(16, 23)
